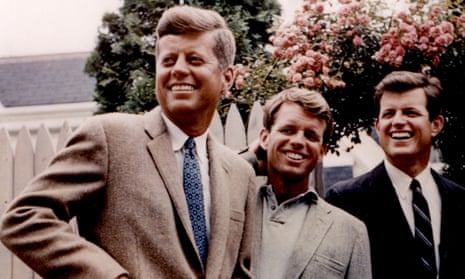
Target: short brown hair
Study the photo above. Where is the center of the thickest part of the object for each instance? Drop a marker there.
(311, 100)
(401, 81)
(185, 19)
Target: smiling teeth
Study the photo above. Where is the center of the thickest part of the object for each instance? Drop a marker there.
(182, 88)
(294, 156)
(400, 135)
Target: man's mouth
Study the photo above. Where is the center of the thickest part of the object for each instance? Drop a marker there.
(401, 135)
(182, 87)
(294, 156)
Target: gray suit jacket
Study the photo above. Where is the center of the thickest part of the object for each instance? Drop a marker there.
(331, 244)
(119, 176)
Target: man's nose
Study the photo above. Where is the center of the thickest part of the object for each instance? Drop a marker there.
(298, 138)
(180, 67)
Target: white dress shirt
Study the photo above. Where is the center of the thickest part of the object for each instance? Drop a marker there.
(178, 138)
(401, 182)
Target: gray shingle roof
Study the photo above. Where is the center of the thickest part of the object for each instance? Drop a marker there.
(43, 80)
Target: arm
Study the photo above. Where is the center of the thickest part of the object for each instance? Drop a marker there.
(360, 265)
(35, 225)
(256, 156)
(243, 267)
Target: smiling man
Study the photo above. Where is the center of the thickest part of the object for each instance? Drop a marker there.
(415, 231)
(297, 233)
(155, 195)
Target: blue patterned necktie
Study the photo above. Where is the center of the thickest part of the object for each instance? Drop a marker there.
(194, 197)
(423, 232)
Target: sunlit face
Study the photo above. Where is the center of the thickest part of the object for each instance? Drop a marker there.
(294, 145)
(404, 128)
(189, 81)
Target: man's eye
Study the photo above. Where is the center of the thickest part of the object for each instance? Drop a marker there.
(411, 113)
(286, 131)
(168, 61)
(387, 114)
(195, 60)
(312, 136)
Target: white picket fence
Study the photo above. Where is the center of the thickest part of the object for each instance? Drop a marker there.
(25, 156)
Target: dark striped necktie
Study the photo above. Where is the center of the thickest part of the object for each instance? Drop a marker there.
(423, 233)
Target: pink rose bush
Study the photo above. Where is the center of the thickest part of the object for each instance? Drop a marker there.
(429, 36)
(321, 39)
(328, 38)
(344, 47)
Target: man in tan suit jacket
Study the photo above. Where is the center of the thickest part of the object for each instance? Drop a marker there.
(120, 175)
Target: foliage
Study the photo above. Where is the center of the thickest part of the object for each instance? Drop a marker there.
(123, 61)
(257, 78)
(344, 48)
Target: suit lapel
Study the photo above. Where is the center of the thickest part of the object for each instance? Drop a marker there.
(258, 232)
(451, 218)
(220, 185)
(389, 214)
(315, 227)
(165, 162)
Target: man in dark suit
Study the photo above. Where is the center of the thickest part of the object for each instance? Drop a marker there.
(409, 116)
(121, 175)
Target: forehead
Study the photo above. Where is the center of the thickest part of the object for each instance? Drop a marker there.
(413, 97)
(190, 42)
(290, 113)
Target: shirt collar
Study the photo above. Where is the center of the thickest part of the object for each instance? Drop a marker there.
(401, 181)
(178, 138)
(309, 197)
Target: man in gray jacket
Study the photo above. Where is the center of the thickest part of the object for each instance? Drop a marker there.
(298, 234)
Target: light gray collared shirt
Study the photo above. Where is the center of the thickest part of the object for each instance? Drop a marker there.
(280, 230)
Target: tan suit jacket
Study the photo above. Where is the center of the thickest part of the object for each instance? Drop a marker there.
(118, 175)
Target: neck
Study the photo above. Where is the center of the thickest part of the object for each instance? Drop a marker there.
(411, 167)
(286, 189)
(193, 127)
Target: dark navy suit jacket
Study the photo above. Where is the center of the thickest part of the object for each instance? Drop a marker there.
(372, 198)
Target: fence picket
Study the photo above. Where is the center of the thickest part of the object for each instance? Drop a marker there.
(44, 150)
(6, 193)
(23, 173)
(234, 129)
(255, 122)
(64, 134)
(216, 128)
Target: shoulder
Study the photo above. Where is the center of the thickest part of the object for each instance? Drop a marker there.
(116, 129)
(342, 217)
(229, 157)
(113, 120)
(450, 190)
(359, 183)
(447, 183)
(339, 214)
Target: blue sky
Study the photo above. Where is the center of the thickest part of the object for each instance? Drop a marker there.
(36, 27)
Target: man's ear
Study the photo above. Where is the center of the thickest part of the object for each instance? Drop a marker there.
(376, 124)
(436, 125)
(263, 138)
(229, 75)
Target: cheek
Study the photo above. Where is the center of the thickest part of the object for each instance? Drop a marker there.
(381, 127)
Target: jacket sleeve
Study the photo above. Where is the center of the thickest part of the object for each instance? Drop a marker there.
(35, 225)
(243, 268)
(360, 263)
